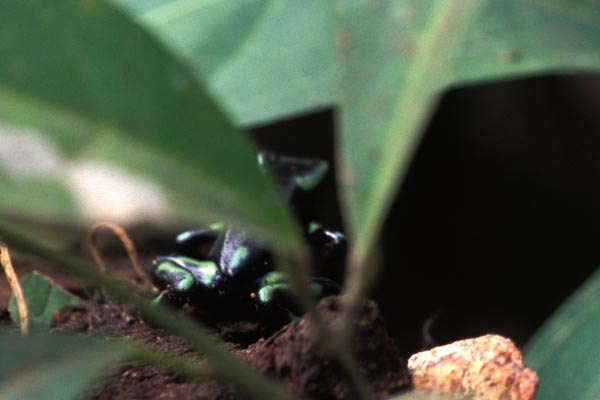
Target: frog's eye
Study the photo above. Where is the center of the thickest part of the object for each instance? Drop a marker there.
(266, 158)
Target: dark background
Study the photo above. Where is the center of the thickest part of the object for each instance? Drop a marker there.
(499, 218)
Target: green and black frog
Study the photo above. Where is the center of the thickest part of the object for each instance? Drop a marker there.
(221, 270)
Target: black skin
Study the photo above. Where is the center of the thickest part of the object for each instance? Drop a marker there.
(224, 269)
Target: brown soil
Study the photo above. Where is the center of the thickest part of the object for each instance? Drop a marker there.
(289, 354)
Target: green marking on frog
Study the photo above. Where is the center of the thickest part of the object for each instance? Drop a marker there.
(240, 255)
(217, 226)
(309, 182)
(186, 278)
(265, 294)
(339, 235)
(208, 269)
(272, 278)
(187, 235)
(313, 227)
(182, 237)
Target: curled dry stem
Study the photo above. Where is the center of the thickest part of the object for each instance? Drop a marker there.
(16, 288)
(127, 244)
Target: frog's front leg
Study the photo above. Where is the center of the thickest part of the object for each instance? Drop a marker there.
(191, 243)
(330, 245)
(274, 299)
(320, 236)
(182, 279)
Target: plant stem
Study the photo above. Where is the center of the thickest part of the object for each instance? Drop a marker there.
(224, 366)
(326, 337)
(15, 286)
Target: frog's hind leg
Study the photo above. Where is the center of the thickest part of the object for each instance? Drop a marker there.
(293, 172)
(275, 300)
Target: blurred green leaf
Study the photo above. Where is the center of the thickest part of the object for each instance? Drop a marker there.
(565, 351)
(43, 298)
(97, 109)
(262, 59)
(395, 58)
(54, 367)
(223, 365)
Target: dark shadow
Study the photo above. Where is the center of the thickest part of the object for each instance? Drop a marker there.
(499, 217)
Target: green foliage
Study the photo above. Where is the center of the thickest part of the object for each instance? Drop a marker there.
(565, 350)
(44, 298)
(91, 90)
(89, 97)
(422, 47)
(262, 59)
(54, 367)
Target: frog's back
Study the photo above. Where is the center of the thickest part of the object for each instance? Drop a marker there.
(239, 258)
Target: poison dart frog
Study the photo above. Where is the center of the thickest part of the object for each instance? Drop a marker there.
(220, 269)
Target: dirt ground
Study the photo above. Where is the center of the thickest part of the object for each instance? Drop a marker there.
(288, 353)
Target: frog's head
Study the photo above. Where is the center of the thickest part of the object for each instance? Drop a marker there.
(293, 172)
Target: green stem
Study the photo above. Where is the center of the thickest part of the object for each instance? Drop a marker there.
(224, 366)
(325, 337)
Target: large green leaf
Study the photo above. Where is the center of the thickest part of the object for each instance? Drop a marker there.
(43, 299)
(274, 58)
(54, 367)
(117, 127)
(263, 59)
(395, 57)
(566, 351)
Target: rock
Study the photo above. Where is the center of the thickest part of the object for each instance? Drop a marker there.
(488, 367)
